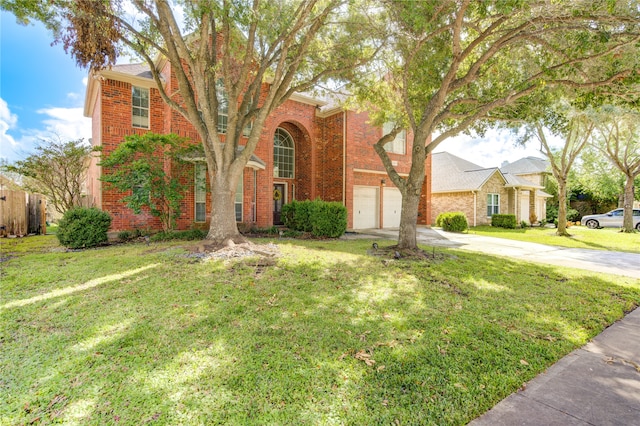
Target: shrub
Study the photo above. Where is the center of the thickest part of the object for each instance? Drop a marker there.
(321, 218)
(191, 234)
(523, 224)
(573, 215)
(328, 219)
(125, 235)
(296, 215)
(552, 213)
(452, 221)
(507, 221)
(271, 230)
(83, 227)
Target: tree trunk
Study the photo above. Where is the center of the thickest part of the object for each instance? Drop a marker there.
(408, 220)
(627, 220)
(223, 225)
(411, 196)
(562, 208)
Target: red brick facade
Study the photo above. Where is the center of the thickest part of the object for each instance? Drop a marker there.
(333, 152)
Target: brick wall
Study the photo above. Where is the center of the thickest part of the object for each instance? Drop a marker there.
(319, 155)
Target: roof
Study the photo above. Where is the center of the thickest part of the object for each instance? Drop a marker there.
(454, 174)
(527, 165)
(139, 70)
(516, 181)
(140, 75)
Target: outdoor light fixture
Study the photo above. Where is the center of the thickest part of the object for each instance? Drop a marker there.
(383, 182)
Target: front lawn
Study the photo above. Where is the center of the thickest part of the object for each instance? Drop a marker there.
(581, 237)
(327, 333)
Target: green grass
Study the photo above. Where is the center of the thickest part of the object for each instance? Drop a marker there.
(581, 237)
(324, 334)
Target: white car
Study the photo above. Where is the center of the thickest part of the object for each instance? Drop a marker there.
(613, 219)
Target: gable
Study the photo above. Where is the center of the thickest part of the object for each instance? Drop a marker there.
(454, 174)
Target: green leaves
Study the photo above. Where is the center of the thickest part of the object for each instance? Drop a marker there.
(148, 170)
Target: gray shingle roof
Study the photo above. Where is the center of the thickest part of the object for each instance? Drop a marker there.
(453, 174)
(139, 70)
(517, 181)
(526, 165)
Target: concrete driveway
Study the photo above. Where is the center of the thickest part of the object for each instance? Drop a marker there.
(609, 262)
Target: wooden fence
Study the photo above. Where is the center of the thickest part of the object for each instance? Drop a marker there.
(22, 214)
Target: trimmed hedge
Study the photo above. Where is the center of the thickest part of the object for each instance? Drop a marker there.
(296, 215)
(507, 221)
(321, 218)
(83, 227)
(452, 221)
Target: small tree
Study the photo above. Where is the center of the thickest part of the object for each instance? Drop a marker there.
(57, 170)
(576, 129)
(139, 168)
(619, 140)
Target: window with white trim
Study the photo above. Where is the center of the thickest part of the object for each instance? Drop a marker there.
(493, 204)
(200, 192)
(399, 144)
(239, 193)
(283, 154)
(140, 107)
(223, 106)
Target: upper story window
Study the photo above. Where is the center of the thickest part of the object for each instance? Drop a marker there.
(399, 144)
(140, 107)
(283, 155)
(223, 107)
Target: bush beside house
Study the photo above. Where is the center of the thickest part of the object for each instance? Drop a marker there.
(83, 228)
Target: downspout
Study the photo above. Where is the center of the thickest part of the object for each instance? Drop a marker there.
(255, 196)
(475, 207)
(515, 207)
(344, 158)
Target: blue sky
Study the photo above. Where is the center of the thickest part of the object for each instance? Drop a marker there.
(42, 96)
(41, 90)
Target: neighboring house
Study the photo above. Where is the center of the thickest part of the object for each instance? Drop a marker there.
(478, 192)
(307, 150)
(534, 171)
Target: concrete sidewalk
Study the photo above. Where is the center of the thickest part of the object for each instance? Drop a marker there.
(596, 385)
(609, 262)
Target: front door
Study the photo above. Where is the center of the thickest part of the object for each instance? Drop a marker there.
(278, 201)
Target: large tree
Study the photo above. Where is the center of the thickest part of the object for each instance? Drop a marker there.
(457, 65)
(575, 129)
(57, 169)
(248, 56)
(619, 140)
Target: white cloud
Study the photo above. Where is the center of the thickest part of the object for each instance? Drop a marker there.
(66, 123)
(491, 150)
(7, 121)
(63, 123)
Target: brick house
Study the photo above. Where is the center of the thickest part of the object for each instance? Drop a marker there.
(478, 192)
(308, 149)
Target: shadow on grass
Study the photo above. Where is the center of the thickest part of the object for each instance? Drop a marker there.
(325, 335)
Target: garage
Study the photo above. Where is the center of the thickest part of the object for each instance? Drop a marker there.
(366, 202)
(392, 207)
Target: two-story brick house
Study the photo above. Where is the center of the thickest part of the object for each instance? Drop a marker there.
(308, 149)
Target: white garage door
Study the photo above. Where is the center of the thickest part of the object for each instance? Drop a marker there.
(392, 206)
(365, 207)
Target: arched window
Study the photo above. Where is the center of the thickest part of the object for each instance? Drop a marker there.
(283, 155)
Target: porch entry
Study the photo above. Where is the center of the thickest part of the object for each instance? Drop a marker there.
(279, 191)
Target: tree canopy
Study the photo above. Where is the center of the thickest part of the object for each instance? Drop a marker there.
(57, 170)
(246, 57)
(453, 66)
